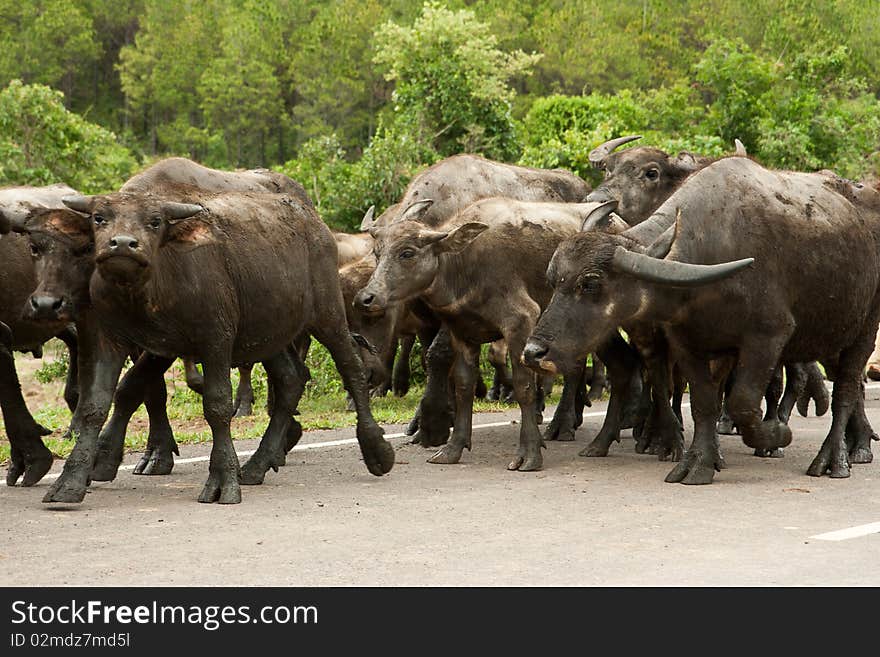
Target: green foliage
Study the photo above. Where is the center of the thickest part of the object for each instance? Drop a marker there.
(54, 369)
(451, 77)
(41, 142)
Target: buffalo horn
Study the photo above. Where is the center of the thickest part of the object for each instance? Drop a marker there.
(367, 221)
(598, 154)
(78, 203)
(669, 272)
(178, 211)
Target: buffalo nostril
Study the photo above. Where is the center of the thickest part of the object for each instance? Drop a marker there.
(133, 244)
(34, 303)
(56, 305)
(113, 244)
(367, 299)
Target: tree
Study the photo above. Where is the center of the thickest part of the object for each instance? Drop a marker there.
(41, 142)
(452, 78)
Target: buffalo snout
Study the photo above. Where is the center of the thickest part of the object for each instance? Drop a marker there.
(534, 356)
(369, 302)
(44, 307)
(124, 243)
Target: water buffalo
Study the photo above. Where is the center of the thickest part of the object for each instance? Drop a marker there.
(727, 296)
(230, 249)
(30, 458)
(435, 196)
(483, 274)
(640, 179)
(183, 174)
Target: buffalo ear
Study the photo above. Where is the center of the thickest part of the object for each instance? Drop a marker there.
(190, 233)
(69, 223)
(416, 210)
(686, 162)
(458, 239)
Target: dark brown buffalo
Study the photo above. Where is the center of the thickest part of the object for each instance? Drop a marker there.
(234, 279)
(714, 276)
(483, 273)
(640, 179)
(183, 174)
(30, 458)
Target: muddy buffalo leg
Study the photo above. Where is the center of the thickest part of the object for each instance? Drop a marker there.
(813, 389)
(244, 394)
(465, 376)
(772, 398)
(223, 470)
(332, 332)
(30, 457)
(795, 384)
(726, 425)
(434, 406)
(271, 453)
(401, 374)
(859, 433)
(846, 403)
(756, 365)
(71, 383)
(666, 438)
(598, 379)
(622, 366)
(703, 458)
(99, 369)
(139, 382)
(502, 380)
(564, 422)
(528, 457)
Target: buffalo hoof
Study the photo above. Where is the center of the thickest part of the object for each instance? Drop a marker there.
(776, 453)
(726, 427)
(428, 436)
(294, 433)
(413, 427)
(66, 490)
(560, 429)
(596, 393)
(598, 447)
(816, 391)
(837, 468)
(695, 469)
(378, 391)
(253, 473)
(154, 462)
(771, 435)
(449, 454)
(527, 463)
(222, 487)
(106, 466)
(378, 455)
(860, 455)
(494, 393)
(30, 468)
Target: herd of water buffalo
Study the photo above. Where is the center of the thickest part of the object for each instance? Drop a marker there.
(719, 273)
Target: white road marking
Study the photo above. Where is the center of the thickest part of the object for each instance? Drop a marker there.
(850, 532)
(353, 441)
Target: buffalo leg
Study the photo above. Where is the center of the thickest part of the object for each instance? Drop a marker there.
(502, 380)
(665, 437)
(623, 372)
(31, 459)
(772, 399)
(401, 373)
(71, 383)
(859, 433)
(703, 458)
(795, 385)
(271, 453)
(465, 375)
(598, 379)
(528, 457)
(756, 366)
(563, 425)
(846, 405)
(244, 394)
(139, 382)
(433, 425)
(814, 389)
(99, 368)
(726, 425)
(223, 469)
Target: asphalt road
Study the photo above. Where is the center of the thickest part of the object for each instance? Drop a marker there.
(323, 520)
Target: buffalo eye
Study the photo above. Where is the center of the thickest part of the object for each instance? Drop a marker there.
(590, 284)
(35, 251)
(652, 174)
(155, 222)
(406, 254)
(98, 219)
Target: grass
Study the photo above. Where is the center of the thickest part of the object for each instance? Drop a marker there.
(323, 405)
